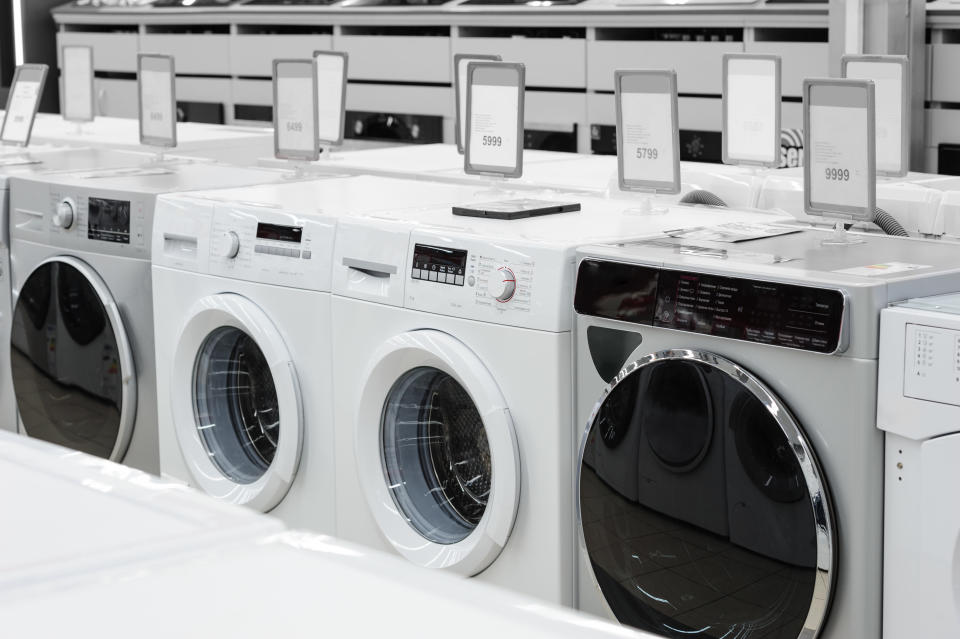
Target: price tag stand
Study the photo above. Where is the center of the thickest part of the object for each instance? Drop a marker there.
(16, 126)
(751, 111)
(494, 123)
(295, 113)
(156, 91)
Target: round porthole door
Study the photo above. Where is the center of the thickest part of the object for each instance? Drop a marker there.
(734, 535)
(437, 453)
(236, 403)
(73, 368)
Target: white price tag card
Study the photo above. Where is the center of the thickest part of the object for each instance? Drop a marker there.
(460, 62)
(839, 173)
(648, 139)
(158, 103)
(22, 104)
(76, 67)
(890, 78)
(331, 95)
(751, 109)
(494, 119)
(295, 110)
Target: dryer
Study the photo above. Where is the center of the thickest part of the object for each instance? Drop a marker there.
(769, 351)
(453, 392)
(918, 410)
(241, 283)
(82, 350)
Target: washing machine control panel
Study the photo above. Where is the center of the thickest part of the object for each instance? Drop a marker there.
(269, 245)
(119, 223)
(777, 313)
(932, 364)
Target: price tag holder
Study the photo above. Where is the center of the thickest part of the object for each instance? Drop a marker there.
(331, 96)
(460, 62)
(76, 67)
(891, 80)
(22, 104)
(648, 138)
(751, 109)
(839, 173)
(494, 130)
(156, 79)
(295, 110)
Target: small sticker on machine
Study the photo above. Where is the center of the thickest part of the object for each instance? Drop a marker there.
(880, 270)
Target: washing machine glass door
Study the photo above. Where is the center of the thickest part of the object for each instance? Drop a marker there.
(730, 530)
(73, 369)
(236, 403)
(437, 453)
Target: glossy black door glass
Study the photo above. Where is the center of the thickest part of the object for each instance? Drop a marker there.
(719, 538)
(436, 454)
(236, 405)
(66, 366)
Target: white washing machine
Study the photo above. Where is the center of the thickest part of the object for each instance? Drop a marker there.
(918, 409)
(73, 515)
(453, 389)
(769, 352)
(241, 281)
(909, 200)
(36, 161)
(235, 145)
(82, 351)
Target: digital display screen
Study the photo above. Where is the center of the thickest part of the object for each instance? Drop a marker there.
(788, 315)
(438, 264)
(108, 220)
(280, 233)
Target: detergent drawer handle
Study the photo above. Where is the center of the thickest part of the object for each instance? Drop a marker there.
(374, 269)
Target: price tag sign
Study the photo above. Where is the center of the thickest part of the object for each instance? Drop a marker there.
(890, 79)
(76, 67)
(22, 104)
(158, 103)
(751, 109)
(295, 110)
(331, 95)
(648, 139)
(839, 173)
(460, 62)
(494, 119)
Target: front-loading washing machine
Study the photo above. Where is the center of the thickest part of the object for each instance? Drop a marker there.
(768, 351)
(918, 410)
(241, 281)
(82, 351)
(453, 389)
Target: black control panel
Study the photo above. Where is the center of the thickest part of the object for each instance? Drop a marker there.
(789, 315)
(108, 220)
(279, 233)
(439, 264)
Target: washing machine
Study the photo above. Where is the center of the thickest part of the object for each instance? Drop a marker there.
(82, 351)
(453, 389)
(910, 200)
(767, 352)
(241, 281)
(918, 410)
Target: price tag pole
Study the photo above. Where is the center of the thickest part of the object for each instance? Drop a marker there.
(331, 103)
(751, 111)
(295, 113)
(156, 89)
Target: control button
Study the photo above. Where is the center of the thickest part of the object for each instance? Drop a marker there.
(260, 248)
(64, 215)
(433, 276)
(416, 273)
(502, 284)
(459, 280)
(306, 255)
(471, 281)
(229, 245)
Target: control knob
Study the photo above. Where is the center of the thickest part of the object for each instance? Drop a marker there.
(65, 214)
(502, 284)
(229, 245)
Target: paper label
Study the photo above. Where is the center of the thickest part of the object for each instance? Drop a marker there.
(493, 126)
(733, 232)
(838, 156)
(751, 111)
(77, 84)
(157, 120)
(22, 109)
(880, 270)
(888, 91)
(294, 117)
(329, 98)
(648, 130)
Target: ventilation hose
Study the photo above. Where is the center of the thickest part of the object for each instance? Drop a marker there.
(888, 223)
(699, 196)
